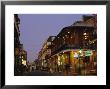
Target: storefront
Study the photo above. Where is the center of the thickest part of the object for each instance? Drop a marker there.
(75, 61)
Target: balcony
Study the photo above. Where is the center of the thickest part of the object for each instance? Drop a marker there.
(65, 46)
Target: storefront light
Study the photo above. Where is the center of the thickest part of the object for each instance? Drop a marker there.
(63, 57)
(80, 51)
(58, 63)
(75, 55)
(58, 58)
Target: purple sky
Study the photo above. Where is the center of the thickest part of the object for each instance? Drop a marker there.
(36, 28)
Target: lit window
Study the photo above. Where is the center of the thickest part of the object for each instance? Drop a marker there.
(85, 33)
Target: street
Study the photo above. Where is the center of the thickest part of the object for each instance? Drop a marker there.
(41, 73)
(70, 73)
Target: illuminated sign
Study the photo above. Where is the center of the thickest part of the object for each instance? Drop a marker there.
(88, 53)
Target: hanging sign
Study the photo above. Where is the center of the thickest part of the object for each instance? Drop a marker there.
(88, 53)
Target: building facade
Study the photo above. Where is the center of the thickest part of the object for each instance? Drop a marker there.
(75, 47)
(20, 55)
(45, 53)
